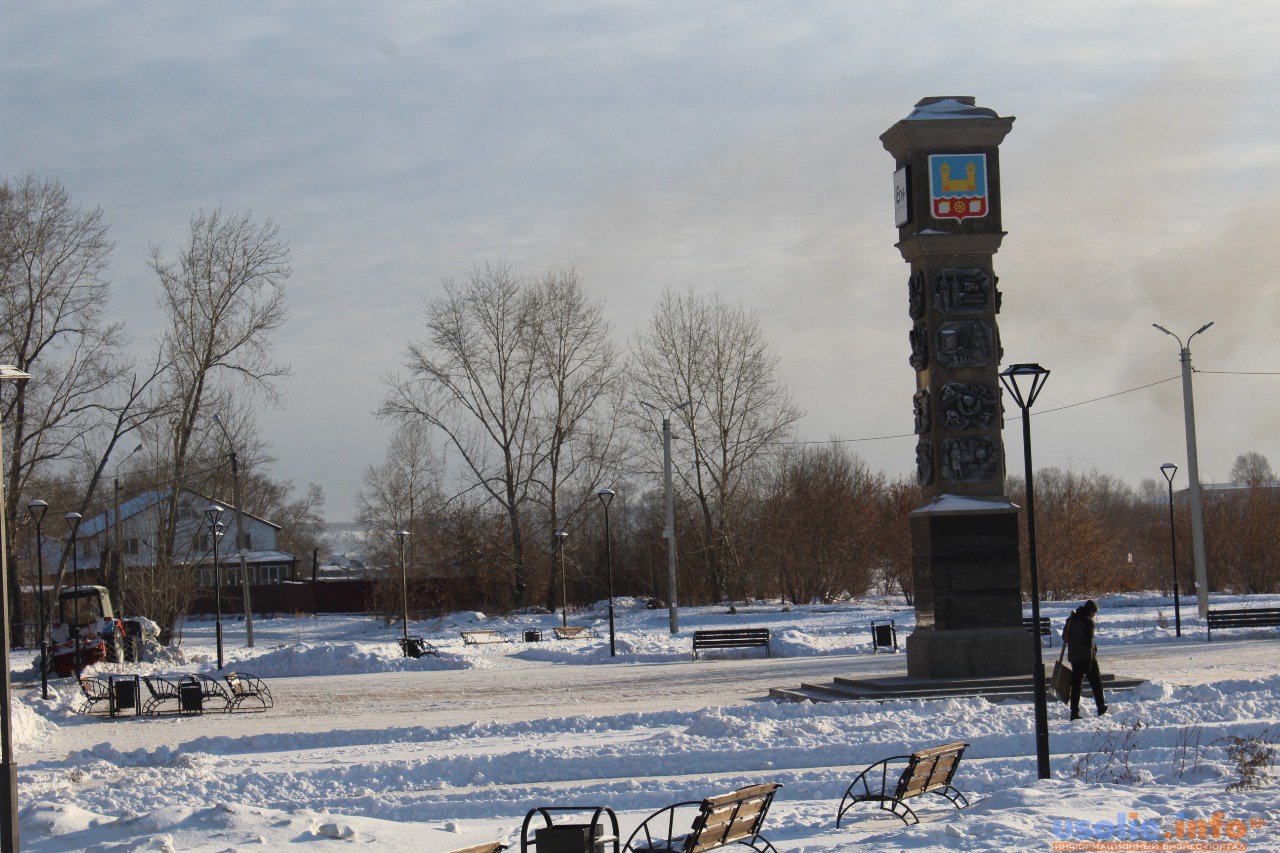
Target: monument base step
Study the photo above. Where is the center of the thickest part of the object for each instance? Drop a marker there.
(889, 688)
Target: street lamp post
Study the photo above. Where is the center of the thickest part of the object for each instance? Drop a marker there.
(1037, 376)
(1193, 469)
(669, 532)
(73, 522)
(1168, 469)
(401, 536)
(8, 767)
(38, 508)
(564, 586)
(216, 528)
(241, 542)
(606, 496)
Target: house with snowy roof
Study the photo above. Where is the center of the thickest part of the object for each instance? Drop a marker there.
(138, 522)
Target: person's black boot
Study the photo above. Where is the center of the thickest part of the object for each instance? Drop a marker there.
(1075, 715)
(1102, 709)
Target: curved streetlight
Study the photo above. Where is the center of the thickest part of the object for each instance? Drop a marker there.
(402, 535)
(216, 528)
(1193, 469)
(1010, 377)
(73, 522)
(38, 508)
(1168, 469)
(606, 496)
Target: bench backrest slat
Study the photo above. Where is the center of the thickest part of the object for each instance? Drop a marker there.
(929, 770)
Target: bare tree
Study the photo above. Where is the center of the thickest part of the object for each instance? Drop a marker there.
(579, 405)
(53, 293)
(714, 354)
(223, 297)
(1252, 469)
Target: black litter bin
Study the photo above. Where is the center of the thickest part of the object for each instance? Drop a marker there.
(884, 635)
(190, 697)
(590, 837)
(533, 636)
(124, 694)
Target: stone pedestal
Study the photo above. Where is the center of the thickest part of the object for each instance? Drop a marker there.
(968, 591)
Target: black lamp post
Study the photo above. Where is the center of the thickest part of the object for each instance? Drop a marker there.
(73, 522)
(216, 528)
(1036, 375)
(402, 535)
(38, 508)
(1169, 470)
(564, 587)
(605, 496)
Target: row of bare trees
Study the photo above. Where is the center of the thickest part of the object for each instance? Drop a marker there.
(94, 404)
(515, 408)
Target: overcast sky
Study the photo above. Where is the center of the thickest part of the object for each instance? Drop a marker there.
(728, 146)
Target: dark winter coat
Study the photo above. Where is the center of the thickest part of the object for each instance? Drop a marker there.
(1078, 635)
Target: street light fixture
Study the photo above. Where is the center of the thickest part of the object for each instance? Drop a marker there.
(216, 528)
(1193, 469)
(606, 496)
(73, 522)
(402, 535)
(564, 586)
(669, 532)
(1037, 376)
(241, 542)
(1168, 469)
(38, 508)
(8, 768)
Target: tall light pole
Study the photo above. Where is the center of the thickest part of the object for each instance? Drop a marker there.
(241, 544)
(73, 522)
(1193, 469)
(8, 768)
(401, 536)
(669, 532)
(38, 508)
(606, 496)
(1037, 376)
(216, 528)
(1169, 470)
(564, 586)
(119, 544)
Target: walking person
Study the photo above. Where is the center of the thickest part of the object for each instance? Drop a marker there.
(1082, 654)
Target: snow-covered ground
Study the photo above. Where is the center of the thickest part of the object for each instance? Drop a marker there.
(364, 747)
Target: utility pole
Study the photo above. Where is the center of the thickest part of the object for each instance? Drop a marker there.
(1193, 470)
(240, 541)
(669, 532)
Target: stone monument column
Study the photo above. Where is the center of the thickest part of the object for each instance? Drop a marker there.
(968, 590)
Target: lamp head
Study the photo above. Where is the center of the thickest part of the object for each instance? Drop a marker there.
(1015, 375)
(37, 508)
(1169, 469)
(73, 521)
(402, 535)
(218, 529)
(213, 512)
(605, 496)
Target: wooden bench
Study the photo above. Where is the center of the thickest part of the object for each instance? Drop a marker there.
(416, 647)
(1257, 617)
(248, 690)
(730, 638)
(489, 847)
(575, 632)
(929, 771)
(95, 691)
(734, 818)
(483, 637)
(1045, 629)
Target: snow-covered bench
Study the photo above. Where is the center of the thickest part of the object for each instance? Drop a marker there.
(575, 632)
(489, 847)
(248, 690)
(416, 647)
(733, 818)
(482, 637)
(928, 771)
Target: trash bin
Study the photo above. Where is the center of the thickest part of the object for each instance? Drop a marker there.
(190, 697)
(884, 635)
(124, 694)
(533, 636)
(570, 838)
